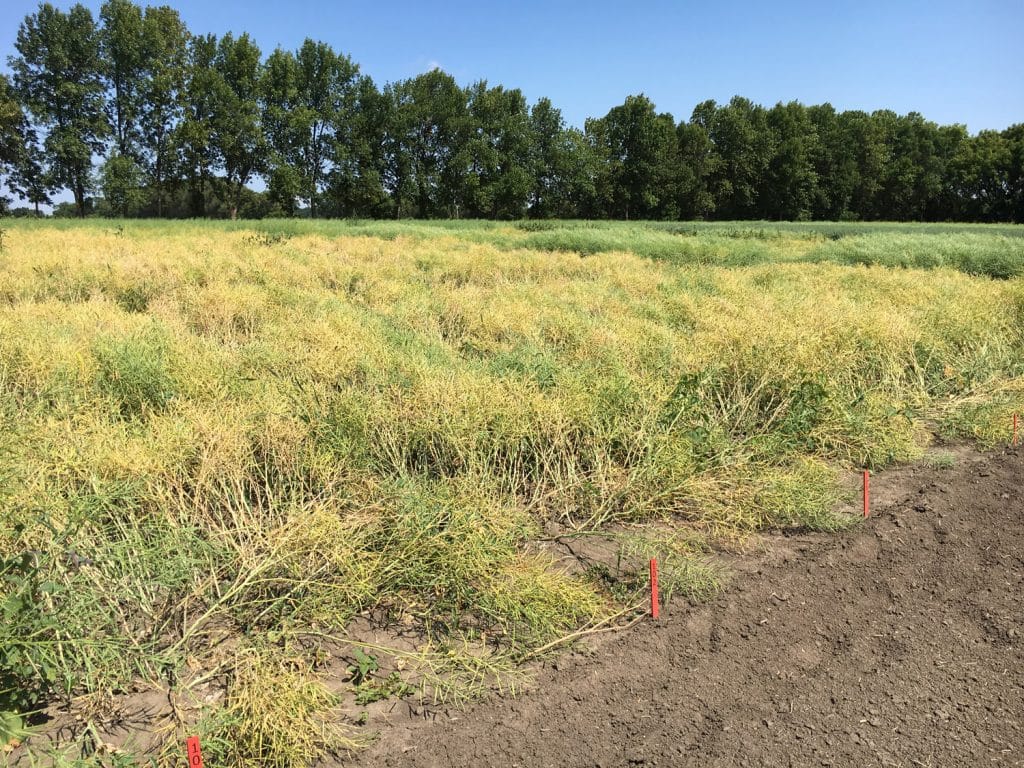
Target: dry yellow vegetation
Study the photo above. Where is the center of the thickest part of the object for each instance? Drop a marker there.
(211, 430)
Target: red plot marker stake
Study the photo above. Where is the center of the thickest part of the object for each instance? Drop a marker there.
(195, 755)
(867, 492)
(655, 608)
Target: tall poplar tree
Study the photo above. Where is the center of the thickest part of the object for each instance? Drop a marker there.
(165, 41)
(12, 128)
(642, 153)
(279, 93)
(124, 59)
(327, 92)
(358, 177)
(498, 150)
(193, 135)
(790, 183)
(427, 143)
(236, 130)
(58, 74)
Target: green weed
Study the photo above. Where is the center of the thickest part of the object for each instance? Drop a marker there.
(134, 373)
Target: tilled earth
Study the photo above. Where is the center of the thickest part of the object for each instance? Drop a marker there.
(895, 644)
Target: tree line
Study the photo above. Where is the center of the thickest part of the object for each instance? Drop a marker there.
(136, 116)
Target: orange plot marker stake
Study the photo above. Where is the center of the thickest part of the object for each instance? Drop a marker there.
(655, 608)
(195, 754)
(1015, 439)
(867, 492)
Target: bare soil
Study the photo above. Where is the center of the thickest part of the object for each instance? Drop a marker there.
(898, 643)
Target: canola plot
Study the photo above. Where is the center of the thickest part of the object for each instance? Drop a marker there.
(265, 431)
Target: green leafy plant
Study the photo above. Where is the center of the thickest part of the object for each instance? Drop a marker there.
(26, 674)
(267, 239)
(393, 686)
(365, 665)
(134, 372)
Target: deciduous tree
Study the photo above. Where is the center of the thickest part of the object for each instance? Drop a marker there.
(236, 132)
(58, 74)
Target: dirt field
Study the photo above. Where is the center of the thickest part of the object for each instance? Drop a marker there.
(897, 644)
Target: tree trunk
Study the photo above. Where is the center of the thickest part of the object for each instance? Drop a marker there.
(79, 193)
(312, 197)
(159, 187)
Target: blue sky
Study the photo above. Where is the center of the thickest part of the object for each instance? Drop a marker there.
(951, 61)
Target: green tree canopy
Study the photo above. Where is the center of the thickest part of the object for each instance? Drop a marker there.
(183, 125)
(58, 74)
(641, 153)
